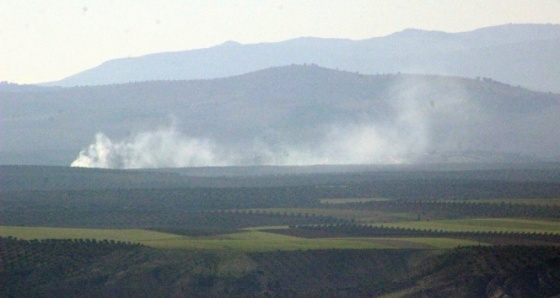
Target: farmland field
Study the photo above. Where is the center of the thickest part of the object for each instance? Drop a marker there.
(249, 240)
(29, 233)
(484, 225)
(326, 235)
(364, 216)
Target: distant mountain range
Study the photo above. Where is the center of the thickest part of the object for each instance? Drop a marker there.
(525, 55)
(300, 114)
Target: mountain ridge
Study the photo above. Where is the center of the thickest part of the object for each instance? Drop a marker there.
(410, 50)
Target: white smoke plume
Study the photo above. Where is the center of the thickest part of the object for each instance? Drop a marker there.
(403, 137)
(351, 144)
(161, 148)
(339, 144)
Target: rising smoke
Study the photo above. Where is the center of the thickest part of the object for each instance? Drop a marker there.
(356, 144)
(404, 138)
(339, 144)
(161, 148)
(170, 148)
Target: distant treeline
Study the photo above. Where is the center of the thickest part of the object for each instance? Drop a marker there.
(454, 178)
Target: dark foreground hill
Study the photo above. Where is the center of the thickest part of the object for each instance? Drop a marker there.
(519, 54)
(85, 268)
(287, 115)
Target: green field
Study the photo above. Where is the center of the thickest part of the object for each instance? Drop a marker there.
(262, 241)
(484, 225)
(137, 236)
(258, 239)
(248, 240)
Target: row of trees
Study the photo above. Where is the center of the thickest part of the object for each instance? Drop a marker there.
(30, 267)
(356, 230)
(156, 219)
(456, 209)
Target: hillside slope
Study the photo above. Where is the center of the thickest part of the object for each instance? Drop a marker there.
(86, 268)
(287, 115)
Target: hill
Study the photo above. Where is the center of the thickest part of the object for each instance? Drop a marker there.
(526, 55)
(89, 268)
(299, 114)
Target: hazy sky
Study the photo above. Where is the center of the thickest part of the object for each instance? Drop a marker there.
(49, 40)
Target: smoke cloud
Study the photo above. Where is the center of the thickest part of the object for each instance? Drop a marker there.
(404, 135)
(161, 148)
(357, 143)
